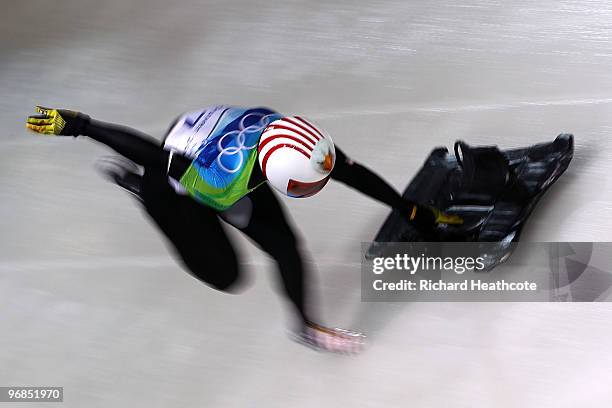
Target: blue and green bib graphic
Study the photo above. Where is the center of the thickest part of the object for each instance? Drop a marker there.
(222, 142)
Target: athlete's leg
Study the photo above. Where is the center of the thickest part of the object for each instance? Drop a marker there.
(270, 228)
(193, 229)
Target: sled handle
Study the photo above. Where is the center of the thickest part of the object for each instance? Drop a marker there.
(459, 147)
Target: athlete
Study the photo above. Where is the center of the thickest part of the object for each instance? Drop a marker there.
(218, 163)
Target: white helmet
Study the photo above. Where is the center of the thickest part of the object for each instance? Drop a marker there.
(296, 156)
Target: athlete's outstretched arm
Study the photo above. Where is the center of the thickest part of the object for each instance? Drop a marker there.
(369, 183)
(131, 143)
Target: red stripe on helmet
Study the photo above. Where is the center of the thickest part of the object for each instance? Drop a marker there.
(304, 128)
(283, 135)
(305, 136)
(264, 163)
(311, 125)
(300, 189)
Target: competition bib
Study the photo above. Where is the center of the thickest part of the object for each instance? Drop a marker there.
(222, 143)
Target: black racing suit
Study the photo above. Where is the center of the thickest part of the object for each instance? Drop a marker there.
(215, 262)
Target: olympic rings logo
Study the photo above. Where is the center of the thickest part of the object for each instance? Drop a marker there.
(240, 138)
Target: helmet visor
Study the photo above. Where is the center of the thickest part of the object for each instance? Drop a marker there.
(299, 189)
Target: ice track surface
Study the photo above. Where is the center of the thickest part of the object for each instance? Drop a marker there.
(90, 298)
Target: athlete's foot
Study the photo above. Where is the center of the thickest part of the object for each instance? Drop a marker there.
(122, 172)
(331, 340)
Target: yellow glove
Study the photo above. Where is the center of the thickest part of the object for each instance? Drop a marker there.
(57, 122)
(426, 217)
(443, 218)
